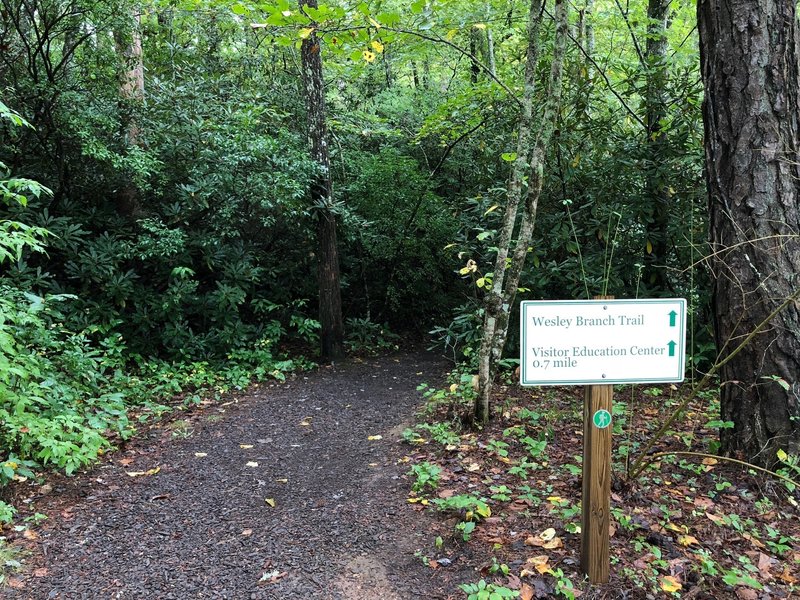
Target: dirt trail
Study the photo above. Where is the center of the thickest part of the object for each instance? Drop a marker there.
(202, 527)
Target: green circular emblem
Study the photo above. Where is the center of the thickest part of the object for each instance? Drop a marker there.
(602, 419)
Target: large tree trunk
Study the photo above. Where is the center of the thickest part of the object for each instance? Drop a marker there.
(529, 161)
(330, 303)
(749, 56)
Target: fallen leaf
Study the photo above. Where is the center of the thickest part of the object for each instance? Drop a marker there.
(710, 461)
(541, 563)
(252, 463)
(744, 593)
(547, 534)
(306, 422)
(670, 583)
(29, 535)
(473, 467)
(247, 532)
(272, 576)
(716, 519)
(687, 540)
(40, 572)
(125, 461)
(675, 528)
(282, 480)
(270, 501)
(141, 473)
(787, 576)
(200, 454)
(764, 564)
(375, 437)
(526, 592)
(15, 582)
(553, 544)
(757, 543)
(245, 446)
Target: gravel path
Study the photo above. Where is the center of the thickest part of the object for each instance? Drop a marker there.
(203, 526)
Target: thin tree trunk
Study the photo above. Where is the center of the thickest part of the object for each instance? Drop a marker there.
(530, 159)
(656, 184)
(749, 61)
(330, 303)
(131, 93)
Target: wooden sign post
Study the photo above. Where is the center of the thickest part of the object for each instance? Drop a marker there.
(595, 506)
(598, 343)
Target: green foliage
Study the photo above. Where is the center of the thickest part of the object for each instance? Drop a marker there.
(362, 335)
(487, 591)
(426, 476)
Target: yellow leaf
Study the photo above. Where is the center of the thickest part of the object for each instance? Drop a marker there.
(374, 437)
(782, 456)
(676, 528)
(547, 534)
(670, 584)
(453, 387)
(448, 246)
(481, 282)
(377, 46)
(413, 500)
(553, 544)
(491, 209)
(141, 473)
(245, 446)
(687, 540)
(270, 501)
(710, 461)
(306, 422)
(576, 161)
(555, 499)
(305, 33)
(374, 23)
(368, 56)
(451, 34)
(649, 247)
(282, 480)
(479, 25)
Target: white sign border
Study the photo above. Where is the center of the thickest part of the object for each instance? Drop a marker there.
(681, 348)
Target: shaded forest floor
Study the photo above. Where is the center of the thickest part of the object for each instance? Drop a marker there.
(344, 484)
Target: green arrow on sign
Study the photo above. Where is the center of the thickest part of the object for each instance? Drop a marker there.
(672, 316)
(671, 346)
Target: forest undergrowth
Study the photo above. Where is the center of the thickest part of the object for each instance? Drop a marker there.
(692, 525)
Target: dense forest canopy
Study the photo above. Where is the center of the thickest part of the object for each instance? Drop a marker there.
(158, 185)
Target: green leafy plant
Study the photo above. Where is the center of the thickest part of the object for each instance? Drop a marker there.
(426, 476)
(484, 590)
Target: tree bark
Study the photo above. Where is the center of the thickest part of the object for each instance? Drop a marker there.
(330, 302)
(131, 94)
(749, 61)
(530, 160)
(656, 182)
